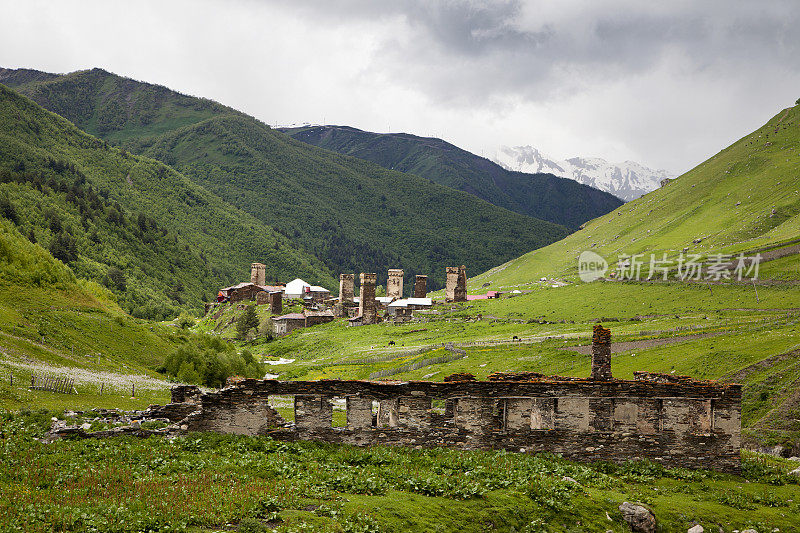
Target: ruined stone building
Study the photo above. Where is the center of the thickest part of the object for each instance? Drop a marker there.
(673, 420)
(455, 289)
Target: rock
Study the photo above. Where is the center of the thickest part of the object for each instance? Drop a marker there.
(749, 531)
(794, 458)
(638, 517)
(795, 472)
(571, 480)
(696, 529)
(86, 426)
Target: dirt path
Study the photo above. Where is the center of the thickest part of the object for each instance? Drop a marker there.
(618, 347)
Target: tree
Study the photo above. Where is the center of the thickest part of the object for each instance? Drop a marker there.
(797, 102)
(116, 277)
(64, 248)
(247, 321)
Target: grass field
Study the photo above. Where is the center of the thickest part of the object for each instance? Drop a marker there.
(216, 483)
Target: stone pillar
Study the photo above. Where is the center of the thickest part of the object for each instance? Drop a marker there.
(601, 353)
(312, 411)
(258, 273)
(421, 286)
(394, 283)
(346, 282)
(456, 285)
(276, 302)
(367, 307)
(359, 412)
(414, 412)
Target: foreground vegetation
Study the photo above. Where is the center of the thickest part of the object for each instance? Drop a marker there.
(209, 482)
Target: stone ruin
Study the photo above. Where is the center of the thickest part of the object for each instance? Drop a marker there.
(676, 421)
(455, 289)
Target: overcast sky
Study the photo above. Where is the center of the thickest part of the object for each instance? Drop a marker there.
(666, 84)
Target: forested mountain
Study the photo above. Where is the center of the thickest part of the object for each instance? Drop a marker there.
(352, 214)
(159, 241)
(539, 195)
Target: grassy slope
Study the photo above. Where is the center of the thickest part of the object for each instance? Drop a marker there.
(759, 172)
(354, 215)
(544, 196)
(49, 318)
(224, 239)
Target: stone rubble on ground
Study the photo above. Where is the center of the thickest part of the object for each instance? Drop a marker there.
(696, 529)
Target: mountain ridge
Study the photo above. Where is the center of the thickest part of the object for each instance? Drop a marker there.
(627, 180)
(352, 214)
(540, 195)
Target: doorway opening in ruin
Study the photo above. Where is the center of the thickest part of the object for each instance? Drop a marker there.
(339, 406)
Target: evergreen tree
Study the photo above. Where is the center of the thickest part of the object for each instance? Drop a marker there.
(247, 321)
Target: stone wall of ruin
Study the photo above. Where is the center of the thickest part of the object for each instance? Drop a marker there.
(685, 423)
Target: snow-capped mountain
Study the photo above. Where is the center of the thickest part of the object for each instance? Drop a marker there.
(628, 180)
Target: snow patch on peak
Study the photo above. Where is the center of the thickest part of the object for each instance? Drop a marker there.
(627, 180)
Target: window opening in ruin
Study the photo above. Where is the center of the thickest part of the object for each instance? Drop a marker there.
(284, 404)
(339, 418)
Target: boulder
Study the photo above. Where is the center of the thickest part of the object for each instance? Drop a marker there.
(795, 472)
(696, 529)
(639, 518)
(749, 531)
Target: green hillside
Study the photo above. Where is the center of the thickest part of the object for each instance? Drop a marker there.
(353, 215)
(746, 198)
(52, 322)
(544, 196)
(158, 240)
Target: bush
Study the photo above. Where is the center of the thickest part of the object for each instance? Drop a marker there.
(209, 361)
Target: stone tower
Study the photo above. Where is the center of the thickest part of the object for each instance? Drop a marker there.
(366, 307)
(455, 289)
(276, 302)
(601, 353)
(394, 284)
(258, 273)
(346, 282)
(420, 286)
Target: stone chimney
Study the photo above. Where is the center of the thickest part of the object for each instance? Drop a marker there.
(601, 353)
(420, 286)
(258, 273)
(346, 291)
(366, 307)
(394, 283)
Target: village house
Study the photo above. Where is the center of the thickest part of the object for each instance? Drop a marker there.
(285, 324)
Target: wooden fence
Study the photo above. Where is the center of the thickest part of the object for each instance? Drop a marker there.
(51, 383)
